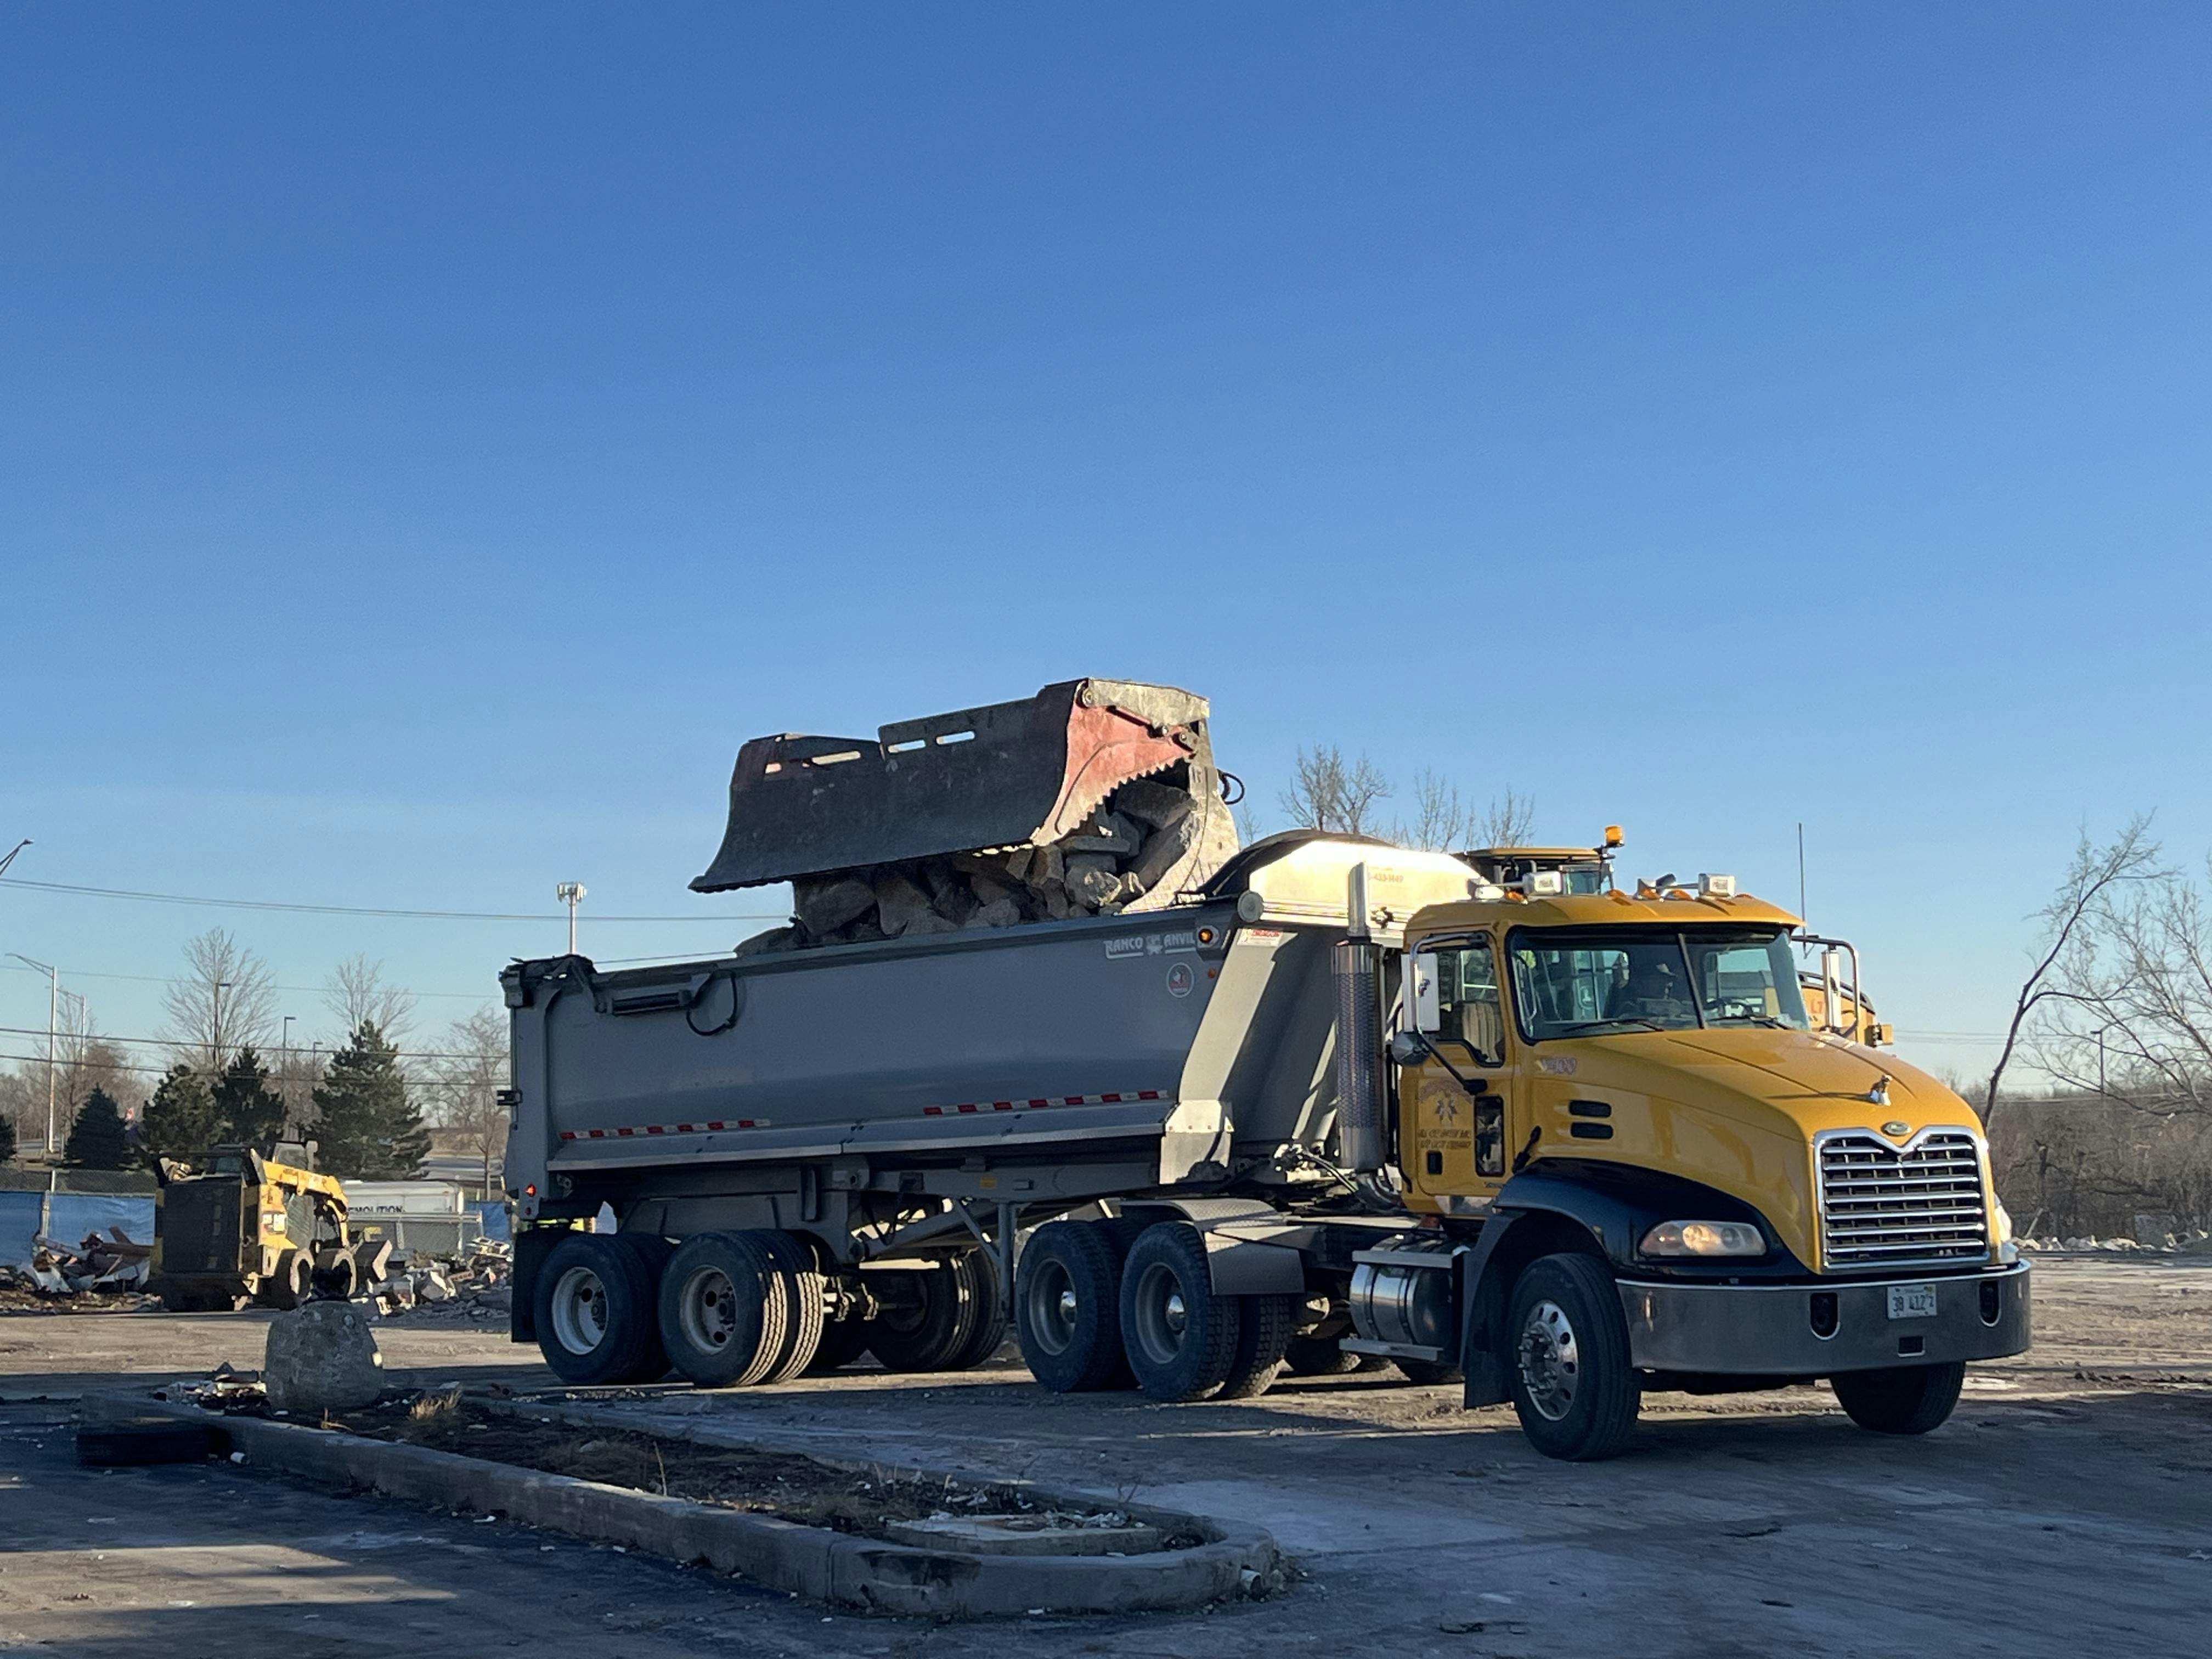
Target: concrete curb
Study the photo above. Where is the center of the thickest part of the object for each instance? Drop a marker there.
(861, 1574)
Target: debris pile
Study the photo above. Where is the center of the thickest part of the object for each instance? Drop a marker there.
(478, 1287)
(1149, 841)
(114, 1264)
(234, 1393)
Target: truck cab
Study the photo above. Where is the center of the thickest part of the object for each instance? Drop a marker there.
(1634, 1080)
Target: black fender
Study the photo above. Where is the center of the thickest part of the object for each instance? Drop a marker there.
(1586, 1207)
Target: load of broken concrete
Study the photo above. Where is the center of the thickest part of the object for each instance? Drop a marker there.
(1093, 798)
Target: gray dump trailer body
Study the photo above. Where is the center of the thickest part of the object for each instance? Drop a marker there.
(1040, 1065)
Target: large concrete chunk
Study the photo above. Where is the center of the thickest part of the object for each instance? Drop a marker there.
(322, 1358)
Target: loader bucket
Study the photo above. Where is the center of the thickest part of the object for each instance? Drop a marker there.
(997, 778)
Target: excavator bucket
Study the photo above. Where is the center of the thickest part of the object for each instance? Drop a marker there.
(1010, 776)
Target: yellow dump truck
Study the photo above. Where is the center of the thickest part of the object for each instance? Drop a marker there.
(1324, 1103)
(250, 1226)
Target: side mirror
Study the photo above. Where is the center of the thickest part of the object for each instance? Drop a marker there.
(1424, 1003)
(1407, 1049)
(1879, 1036)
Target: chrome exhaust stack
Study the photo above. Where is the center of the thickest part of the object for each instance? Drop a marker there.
(1359, 1036)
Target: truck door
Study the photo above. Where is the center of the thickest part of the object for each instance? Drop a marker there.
(1455, 1142)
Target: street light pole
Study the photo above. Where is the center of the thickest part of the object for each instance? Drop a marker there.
(570, 893)
(12, 851)
(53, 1010)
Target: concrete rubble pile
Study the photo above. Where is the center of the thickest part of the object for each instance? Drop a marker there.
(1149, 841)
(478, 1287)
(1092, 798)
(115, 1263)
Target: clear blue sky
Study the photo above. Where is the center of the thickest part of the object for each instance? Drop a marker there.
(432, 439)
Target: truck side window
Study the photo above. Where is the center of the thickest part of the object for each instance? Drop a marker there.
(1467, 991)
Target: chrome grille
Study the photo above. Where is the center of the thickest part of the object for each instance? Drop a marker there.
(1880, 1206)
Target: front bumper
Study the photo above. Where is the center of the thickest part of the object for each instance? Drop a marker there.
(1758, 1330)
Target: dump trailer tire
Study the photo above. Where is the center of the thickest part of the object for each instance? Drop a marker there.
(1181, 1336)
(801, 1280)
(1573, 1387)
(1068, 1307)
(843, 1341)
(594, 1311)
(1264, 1327)
(925, 1321)
(1902, 1399)
(290, 1285)
(722, 1313)
(979, 1283)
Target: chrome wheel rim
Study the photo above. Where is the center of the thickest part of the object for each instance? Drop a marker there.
(1162, 1316)
(579, 1311)
(705, 1310)
(1550, 1360)
(1054, 1307)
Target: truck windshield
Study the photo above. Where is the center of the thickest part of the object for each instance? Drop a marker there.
(1575, 981)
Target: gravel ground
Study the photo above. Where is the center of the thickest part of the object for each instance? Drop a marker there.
(2064, 1509)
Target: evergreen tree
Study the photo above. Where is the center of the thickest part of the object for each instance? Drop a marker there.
(180, 1121)
(7, 1138)
(97, 1139)
(251, 1112)
(368, 1128)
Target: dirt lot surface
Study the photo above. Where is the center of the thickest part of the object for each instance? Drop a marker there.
(2065, 1510)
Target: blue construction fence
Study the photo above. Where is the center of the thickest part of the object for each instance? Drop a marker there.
(71, 1217)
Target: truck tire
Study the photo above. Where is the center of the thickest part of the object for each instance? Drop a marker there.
(1902, 1399)
(925, 1320)
(979, 1279)
(1573, 1388)
(288, 1287)
(1181, 1337)
(800, 1281)
(1429, 1373)
(594, 1309)
(1068, 1297)
(722, 1315)
(1264, 1327)
(1318, 1356)
(843, 1341)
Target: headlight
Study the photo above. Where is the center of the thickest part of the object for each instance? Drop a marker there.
(2004, 1224)
(1703, 1239)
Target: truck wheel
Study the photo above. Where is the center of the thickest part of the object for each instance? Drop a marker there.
(1318, 1356)
(1068, 1307)
(1181, 1337)
(1904, 1400)
(924, 1319)
(979, 1281)
(1263, 1333)
(595, 1312)
(800, 1281)
(723, 1310)
(1430, 1373)
(1573, 1387)
(843, 1341)
(287, 1288)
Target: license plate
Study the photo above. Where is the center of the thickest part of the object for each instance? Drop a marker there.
(1912, 1302)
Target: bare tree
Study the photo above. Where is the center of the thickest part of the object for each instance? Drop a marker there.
(359, 994)
(1327, 794)
(2082, 905)
(224, 1001)
(1509, 820)
(2130, 1020)
(86, 1060)
(470, 1071)
(1440, 821)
